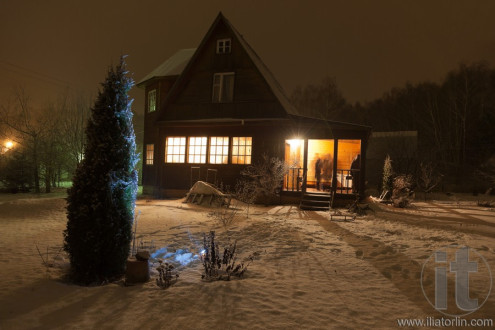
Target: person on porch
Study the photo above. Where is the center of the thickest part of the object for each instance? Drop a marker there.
(318, 167)
(355, 165)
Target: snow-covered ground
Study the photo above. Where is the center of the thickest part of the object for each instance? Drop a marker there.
(309, 272)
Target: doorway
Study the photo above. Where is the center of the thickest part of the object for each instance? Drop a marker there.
(316, 172)
(320, 165)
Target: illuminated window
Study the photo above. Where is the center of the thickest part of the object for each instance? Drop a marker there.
(152, 100)
(223, 87)
(223, 46)
(241, 150)
(219, 150)
(175, 149)
(197, 149)
(149, 154)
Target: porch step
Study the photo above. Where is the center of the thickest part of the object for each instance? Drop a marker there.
(315, 202)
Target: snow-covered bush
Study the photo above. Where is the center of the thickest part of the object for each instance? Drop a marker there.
(220, 267)
(266, 178)
(166, 275)
(101, 202)
(403, 193)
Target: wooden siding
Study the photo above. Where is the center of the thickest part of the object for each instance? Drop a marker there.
(184, 104)
(253, 97)
(177, 176)
(150, 136)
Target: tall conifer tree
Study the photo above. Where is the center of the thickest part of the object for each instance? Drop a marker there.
(101, 202)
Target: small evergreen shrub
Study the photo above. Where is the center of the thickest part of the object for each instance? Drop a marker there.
(387, 180)
(101, 202)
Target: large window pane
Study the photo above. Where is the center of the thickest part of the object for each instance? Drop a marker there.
(175, 148)
(219, 149)
(241, 150)
(223, 87)
(197, 150)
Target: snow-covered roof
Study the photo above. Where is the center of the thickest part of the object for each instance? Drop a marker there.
(171, 67)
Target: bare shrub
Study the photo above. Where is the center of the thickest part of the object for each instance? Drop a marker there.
(246, 191)
(428, 178)
(403, 193)
(266, 177)
(51, 258)
(217, 267)
(225, 216)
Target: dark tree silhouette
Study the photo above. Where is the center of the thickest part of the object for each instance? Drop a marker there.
(321, 101)
(101, 202)
(454, 119)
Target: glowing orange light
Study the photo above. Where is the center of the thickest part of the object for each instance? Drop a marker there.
(9, 144)
(294, 143)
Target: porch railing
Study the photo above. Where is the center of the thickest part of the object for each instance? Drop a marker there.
(294, 179)
(345, 181)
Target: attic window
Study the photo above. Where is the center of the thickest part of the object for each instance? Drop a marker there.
(223, 87)
(223, 46)
(152, 100)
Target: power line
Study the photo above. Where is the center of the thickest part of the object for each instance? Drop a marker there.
(34, 74)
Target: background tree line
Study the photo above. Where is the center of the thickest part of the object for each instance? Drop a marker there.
(48, 141)
(455, 118)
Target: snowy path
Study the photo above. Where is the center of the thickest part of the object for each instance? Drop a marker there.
(310, 273)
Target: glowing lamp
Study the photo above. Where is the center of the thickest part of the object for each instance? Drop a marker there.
(9, 144)
(294, 143)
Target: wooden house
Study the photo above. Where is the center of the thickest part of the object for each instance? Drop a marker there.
(213, 110)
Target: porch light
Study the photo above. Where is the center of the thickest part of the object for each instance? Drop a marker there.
(294, 143)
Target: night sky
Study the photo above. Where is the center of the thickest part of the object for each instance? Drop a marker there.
(368, 46)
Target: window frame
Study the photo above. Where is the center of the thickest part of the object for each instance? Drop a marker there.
(214, 154)
(220, 86)
(203, 149)
(224, 46)
(150, 154)
(152, 100)
(182, 156)
(237, 154)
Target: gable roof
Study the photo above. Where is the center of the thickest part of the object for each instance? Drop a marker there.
(265, 72)
(267, 75)
(171, 67)
(182, 62)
